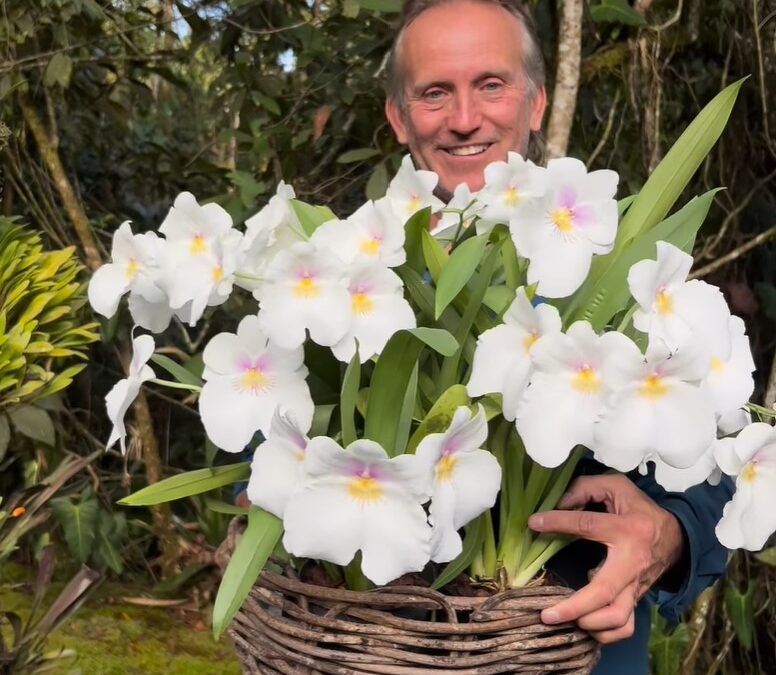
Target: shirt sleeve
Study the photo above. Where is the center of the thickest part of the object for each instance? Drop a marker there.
(698, 510)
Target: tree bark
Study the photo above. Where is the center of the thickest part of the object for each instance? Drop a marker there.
(564, 98)
(75, 212)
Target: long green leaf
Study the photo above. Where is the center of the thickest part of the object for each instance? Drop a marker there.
(472, 544)
(189, 483)
(348, 396)
(666, 183)
(176, 370)
(390, 380)
(441, 414)
(459, 269)
(434, 254)
(414, 228)
(249, 557)
(405, 414)
(311, 217)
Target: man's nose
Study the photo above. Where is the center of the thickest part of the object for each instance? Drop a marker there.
(465, 117)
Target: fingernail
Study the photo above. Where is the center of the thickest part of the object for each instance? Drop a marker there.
(536, 521)
(550, 616)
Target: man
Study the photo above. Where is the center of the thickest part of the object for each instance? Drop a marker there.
(466, 85)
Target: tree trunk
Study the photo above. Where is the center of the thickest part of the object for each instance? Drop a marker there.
(564, 98)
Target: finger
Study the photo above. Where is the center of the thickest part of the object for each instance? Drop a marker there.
(616, 574)
(586, 489)
(600, 527)
(607, 637)
(616, 615)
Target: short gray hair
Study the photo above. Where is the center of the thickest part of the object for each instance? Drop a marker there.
(532, 58)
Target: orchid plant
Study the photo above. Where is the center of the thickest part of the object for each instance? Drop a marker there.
(484, 346)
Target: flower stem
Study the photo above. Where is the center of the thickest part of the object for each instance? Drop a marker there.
(177, 385)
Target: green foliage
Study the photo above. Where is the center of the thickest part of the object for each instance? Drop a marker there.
(617, 11)
(740, 610)
(667, 647)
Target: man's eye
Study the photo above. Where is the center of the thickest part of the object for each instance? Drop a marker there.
(434, 95)
(492, 86)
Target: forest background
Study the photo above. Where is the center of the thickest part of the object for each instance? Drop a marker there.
(110, 109)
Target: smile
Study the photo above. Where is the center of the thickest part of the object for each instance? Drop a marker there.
(468, 150)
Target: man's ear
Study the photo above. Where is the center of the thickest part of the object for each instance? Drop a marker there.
(538, 106)
(396, 118)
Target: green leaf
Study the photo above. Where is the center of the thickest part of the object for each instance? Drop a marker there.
(5, 436)
(266, 102)
(459, 269)
(357, 155)
(472, 544)
(740, 611)
(407, 409)
(434, 254)
(377, 184)
(322, 419)
(414, 228)
(181, 374)
(498, 298)
(311, 217)
(58, 71)
(350, 8)
(106, 546)
(391, 377)
(666, 183)
(767, 556)
(249, 557)
(667, 649)
(79, 522)
(348, 396)
(224, 507)
(611, 293)
(33, 423)
(387, 6)
(189, 483)
(441, 414)
(616, 11)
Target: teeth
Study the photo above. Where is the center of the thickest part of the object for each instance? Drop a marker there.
(467, 150)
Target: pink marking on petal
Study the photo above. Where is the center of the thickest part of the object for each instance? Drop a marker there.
(584, 215)
(567, 197)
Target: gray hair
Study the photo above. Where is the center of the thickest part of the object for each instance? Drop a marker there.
(532, 58)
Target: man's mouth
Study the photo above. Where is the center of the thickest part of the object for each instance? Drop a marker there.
(468, 150)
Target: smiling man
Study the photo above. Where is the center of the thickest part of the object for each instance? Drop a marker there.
(466, 86)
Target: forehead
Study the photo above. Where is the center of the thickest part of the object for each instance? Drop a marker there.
(461, 40)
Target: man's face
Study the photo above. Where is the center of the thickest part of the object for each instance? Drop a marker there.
(467, 101)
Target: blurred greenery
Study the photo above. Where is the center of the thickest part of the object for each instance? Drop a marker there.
(140, 99)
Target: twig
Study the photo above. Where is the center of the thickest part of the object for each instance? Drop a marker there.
(607, 131)
(736, 253)
(770, 388)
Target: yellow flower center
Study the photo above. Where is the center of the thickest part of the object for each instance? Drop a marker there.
(370, 247)
(717, 364)
(198, 245)
(586, 380)
(133, 266)
(253, 380)
(218, 273)
(749, 474)
(511, 196)
(361, 304)
(414, 204)
(653, 387)
(306, 288)
(365, 489)
(563, 220)
(664, 303)
(529, 340)
(445, 467)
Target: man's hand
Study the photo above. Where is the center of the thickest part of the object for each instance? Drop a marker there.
(643, 541)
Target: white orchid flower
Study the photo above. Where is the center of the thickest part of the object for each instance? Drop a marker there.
(657, 410)
(195, 226)
(277, 468)
(729, 381)
(274, 228)
(680, 313)
(502, 359)
(466, 479)
(373, 233)
(125, 391)
(377, 311)
(451, 223)
(412, 190)
(567, 393)
(507, 185)
(750, 517)
(359, 499)
(246, 378)
(133, 268)
(304, 289)
(561, 231)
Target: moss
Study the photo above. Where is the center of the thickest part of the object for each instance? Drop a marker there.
(112, 637)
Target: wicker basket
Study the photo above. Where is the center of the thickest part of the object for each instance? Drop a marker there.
(289, 626)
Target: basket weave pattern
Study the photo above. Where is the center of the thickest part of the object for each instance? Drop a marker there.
(289, 626)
